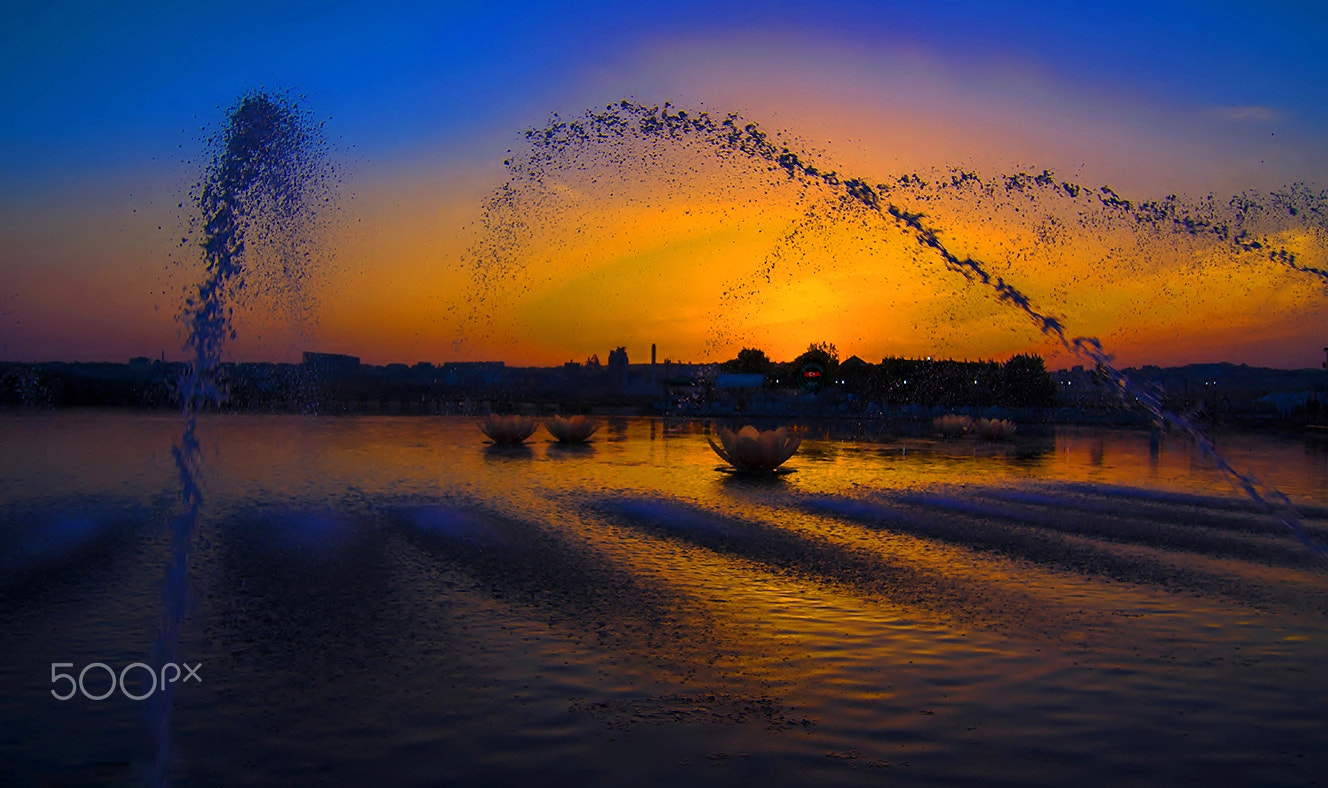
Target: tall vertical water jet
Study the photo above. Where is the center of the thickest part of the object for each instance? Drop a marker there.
(259, 206)
(1284, 229)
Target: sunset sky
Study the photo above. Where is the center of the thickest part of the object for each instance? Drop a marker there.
(105, 109)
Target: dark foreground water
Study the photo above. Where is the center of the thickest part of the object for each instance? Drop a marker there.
(388, 601)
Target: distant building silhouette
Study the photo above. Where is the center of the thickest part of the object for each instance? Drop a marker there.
(332, 365)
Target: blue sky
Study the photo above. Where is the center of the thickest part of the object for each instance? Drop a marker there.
(110, 85)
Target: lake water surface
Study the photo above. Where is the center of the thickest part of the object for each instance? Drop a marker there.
(389, 600)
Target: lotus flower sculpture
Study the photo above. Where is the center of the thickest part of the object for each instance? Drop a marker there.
(995, 429)
(508, 430)
(572, 429)
(952, 425)
(752, 450)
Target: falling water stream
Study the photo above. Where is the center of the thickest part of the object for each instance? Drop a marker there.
(613, 138)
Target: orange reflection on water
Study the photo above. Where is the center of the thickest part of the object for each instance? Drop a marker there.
(938, 602)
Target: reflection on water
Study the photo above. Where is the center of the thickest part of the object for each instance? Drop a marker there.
(393, 600)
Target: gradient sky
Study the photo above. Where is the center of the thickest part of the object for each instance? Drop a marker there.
(104, 108)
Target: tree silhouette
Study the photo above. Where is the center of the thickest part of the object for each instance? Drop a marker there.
(749, 361)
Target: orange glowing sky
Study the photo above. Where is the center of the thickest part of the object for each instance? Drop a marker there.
(92, 270)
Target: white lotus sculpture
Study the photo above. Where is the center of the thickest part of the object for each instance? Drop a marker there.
(752, 450)
(571, 429)
(994, 429)
(952, 425)
(508, 430)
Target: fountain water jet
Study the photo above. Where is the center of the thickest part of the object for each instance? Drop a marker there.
(1249, 225)
(256, 219)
